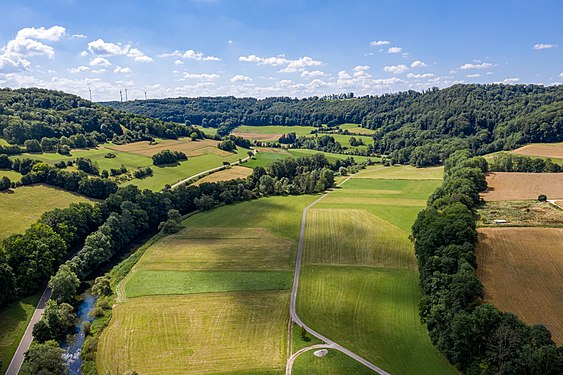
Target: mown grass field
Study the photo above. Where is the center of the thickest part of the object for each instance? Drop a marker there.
(359, 284)
(215, 333)
(334, 363)
(270, 133)
(330, 156)
(202, 155)
(15, 319)
(522, 271)
(12, 175)
(231, 173)
(22, 206)
(356, 128)
(212, 298)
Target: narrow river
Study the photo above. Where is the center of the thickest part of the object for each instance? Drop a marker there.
(73, 346)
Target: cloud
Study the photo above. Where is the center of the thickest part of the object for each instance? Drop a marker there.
(359, 68)
(83, 53)
(179, 62)
(394, 50)
(100, 47)
(78, 69)
(202, 76)
(396, 69)
(190, 54)
(376, 43)
(293, 66)
(418, 64)
(313, 73)
(509, 81)
(230, 42)
(544, 46)
(561, 75)
(240, 78)
(418, 76)
(78, 36)
(476, 66)
(125, 70)
(14, 55)
(100, 61)
(53, 34)
(476, 75)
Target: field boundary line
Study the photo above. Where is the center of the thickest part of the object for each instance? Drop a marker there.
(295, 318)
(212, 170)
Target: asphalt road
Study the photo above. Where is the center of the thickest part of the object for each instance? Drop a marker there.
(328, 342)
(23, 347)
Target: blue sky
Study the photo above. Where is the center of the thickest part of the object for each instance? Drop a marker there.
(271, 48)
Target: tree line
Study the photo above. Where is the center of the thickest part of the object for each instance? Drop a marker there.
(420, 128)
(506, 162)
(53, 121)
(476, 337)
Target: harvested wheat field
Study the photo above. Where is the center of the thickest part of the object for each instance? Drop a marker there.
(189, 147)
(506, 186)
(226, 175)
(549, 150)
(522, 271)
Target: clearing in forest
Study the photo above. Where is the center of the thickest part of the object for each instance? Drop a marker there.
(544, 150)
(522, 271)
(506, 186)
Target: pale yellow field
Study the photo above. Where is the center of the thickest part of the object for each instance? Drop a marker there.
(522, 271)
(197, 334)
(405, 172)
(231, 173)
(219, 248)
(546, 150)
(189, 147)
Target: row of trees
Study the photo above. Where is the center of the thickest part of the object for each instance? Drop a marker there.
(476, 337)
(506, 162)
(412, 127)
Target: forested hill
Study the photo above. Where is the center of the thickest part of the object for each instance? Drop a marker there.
(37, 114)
(420, 128)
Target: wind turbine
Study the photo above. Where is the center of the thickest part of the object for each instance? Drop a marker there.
(90, 90)
(125, 94)
(121, 96)
(145, 95)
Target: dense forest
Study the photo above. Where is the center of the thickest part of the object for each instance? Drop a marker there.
(53, 121)
(420, 128)
(476, 337)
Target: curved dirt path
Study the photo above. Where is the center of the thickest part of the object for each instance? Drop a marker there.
(328, 342)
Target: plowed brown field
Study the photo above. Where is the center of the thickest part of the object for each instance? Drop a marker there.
(522, 271)
(506, 186)
(190, 148)
(551, 150)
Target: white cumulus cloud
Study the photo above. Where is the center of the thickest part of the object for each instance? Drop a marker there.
(312, 73)
(240, 78)
(292, 66)
(418, 64)
(119, 69)
(509, 81)
(202, 76)
(78, 69)
(396, 69)
(53, 34)
(394, 50)
(476, 66)
(376, 43)
(476, 75)
(544, 46)
(190, 54)
(100, 61)
(103, 48)
(419, 76)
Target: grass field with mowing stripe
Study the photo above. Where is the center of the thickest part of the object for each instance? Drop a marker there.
(24, 205)
(405, 172)
(359, 284)
(178, 282)
(223, 333)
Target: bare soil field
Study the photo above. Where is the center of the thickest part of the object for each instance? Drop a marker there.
(522, 271)
(505, 186)
(226, 175)
(550, 150)
(189, 147)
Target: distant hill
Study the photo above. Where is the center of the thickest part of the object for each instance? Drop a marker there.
(33, 113)
(413, 127)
